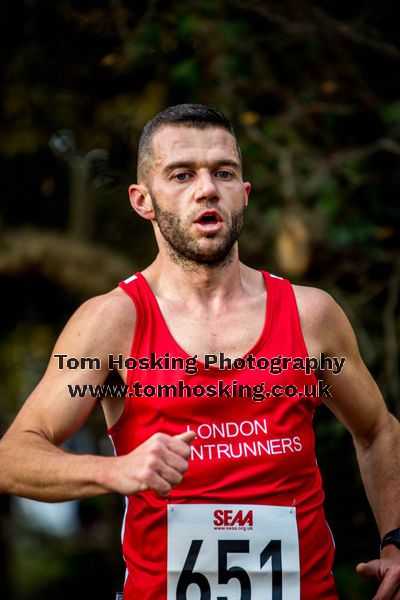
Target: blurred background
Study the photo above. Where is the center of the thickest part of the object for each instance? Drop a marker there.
(313, 89)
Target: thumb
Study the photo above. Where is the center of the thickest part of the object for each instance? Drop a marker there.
(186, 436)
(370, 570)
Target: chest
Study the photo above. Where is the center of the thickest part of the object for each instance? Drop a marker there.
(233, 330)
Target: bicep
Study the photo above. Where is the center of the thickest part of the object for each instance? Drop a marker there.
(52, 411)
(356, 399)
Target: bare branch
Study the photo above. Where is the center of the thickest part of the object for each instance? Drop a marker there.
(311, 24)
(369, 37)
(74, 264)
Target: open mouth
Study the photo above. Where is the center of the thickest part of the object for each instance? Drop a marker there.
(209, 218)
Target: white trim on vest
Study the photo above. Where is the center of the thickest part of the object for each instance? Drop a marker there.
(131, 278)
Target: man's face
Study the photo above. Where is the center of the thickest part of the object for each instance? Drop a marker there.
(197, 192)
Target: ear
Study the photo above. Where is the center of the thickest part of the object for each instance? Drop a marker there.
(141, 201)
(247, 188)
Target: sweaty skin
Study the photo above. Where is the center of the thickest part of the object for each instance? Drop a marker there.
(205, 303)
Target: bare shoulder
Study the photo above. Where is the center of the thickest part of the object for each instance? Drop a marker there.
(114, 306)
(322, 318)
(100, 321)
(314, 303)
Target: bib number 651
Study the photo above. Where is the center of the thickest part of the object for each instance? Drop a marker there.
(188, 576)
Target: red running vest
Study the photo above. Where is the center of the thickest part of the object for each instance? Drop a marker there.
(248, 453)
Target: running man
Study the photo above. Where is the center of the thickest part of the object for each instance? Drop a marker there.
(216, 458)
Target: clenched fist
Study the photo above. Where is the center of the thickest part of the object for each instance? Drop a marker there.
(158, 464)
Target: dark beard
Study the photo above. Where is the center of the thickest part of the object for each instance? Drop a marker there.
(187, 251)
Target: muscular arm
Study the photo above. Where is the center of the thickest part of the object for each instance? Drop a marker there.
(31, 462)
(358, 404)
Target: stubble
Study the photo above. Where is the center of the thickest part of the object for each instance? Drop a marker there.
(188, 252)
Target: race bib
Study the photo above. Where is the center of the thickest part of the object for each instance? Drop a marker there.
(232, 552)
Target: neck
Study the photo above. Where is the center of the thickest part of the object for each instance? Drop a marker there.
(197, 281)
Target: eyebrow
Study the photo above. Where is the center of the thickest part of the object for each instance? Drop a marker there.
(190, 164)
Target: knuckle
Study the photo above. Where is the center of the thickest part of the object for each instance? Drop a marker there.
(157, 447)
(147, 473)
(394, 572)
(152, 462)
(159, 437)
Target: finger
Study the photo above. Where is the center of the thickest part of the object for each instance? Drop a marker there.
(170, 475)
(154, 481)
(186, 436)
(369, 570)
(160, 478)
(390, 586)
(181, 446)
(175, 461)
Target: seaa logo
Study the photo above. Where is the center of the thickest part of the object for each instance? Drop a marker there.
(228, 518)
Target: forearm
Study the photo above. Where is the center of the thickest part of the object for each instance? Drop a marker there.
(33, 467)
(379, 462)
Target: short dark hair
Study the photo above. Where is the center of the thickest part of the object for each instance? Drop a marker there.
(189, 115)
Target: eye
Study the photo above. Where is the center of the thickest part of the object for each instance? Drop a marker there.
(224, 174)
(181, 176)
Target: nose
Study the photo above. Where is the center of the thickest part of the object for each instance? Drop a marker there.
(205, 186)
